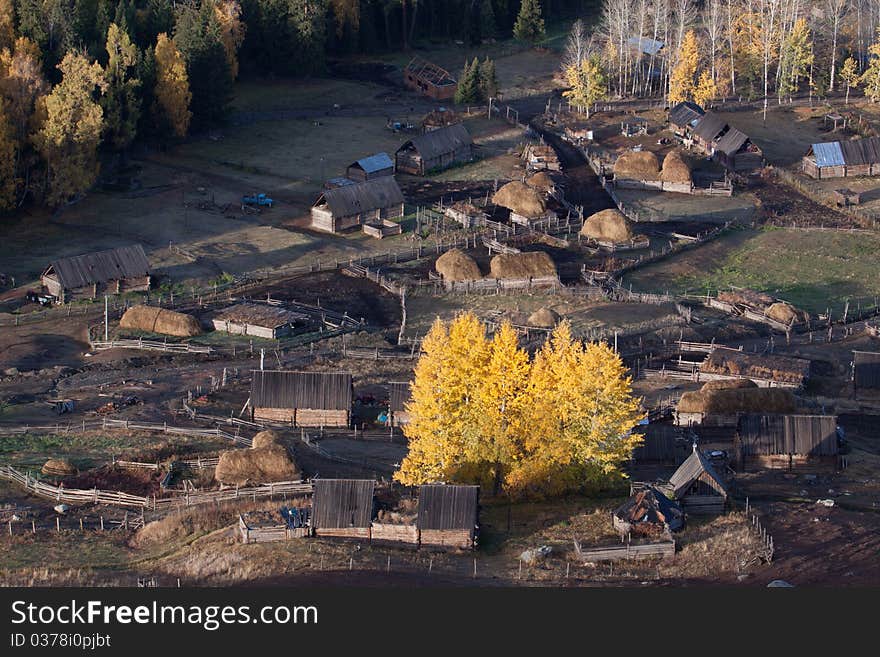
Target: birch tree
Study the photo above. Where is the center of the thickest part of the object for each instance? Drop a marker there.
(835, 11)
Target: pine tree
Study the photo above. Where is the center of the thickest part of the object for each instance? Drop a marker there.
(121, 102)
(488, 24)
(468, 89)
(172, 87)
(706, 89)
(588, 84)
(8, 148)
(488, 79)
(849, 73)
(681, 80)
(529, 24)
(307, 24)
(31, 22)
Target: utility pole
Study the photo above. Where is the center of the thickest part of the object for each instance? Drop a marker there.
(490, 107)
(106, 322)
(262, 356)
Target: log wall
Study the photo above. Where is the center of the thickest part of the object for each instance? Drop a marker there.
(303, 417)
(394, 533)
(448, 538)
(344, 532)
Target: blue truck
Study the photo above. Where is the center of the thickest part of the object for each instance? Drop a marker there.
(257, 199)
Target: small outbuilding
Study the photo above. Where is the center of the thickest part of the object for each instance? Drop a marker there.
(786, 442)
(866, 374)
(261, 320)
(115, 271)
(350, 206)
(435, 150)
(648, 512)
(399, 396)
(843, 159)
(429, 79)
(448, 516)
(697, 485)
(370, 168)
(303, 399)
(343, 508)
(685, 116)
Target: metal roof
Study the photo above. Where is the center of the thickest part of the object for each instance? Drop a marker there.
(828, 154)
(448, 507)
(867, 369)
(709, 126)
(646, 45)
(313, 390)
(439, 142)
(731, 141)
(688, 472)
(363, 197)
(813, 435)
(114, 264)
(342, 503)
(685, 114)
(374, 163)
(400, 395)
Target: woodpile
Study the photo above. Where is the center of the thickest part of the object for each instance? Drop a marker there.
(159, 320)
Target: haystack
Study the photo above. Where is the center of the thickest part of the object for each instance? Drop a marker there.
(730, 401)
(266, 461)
(542, 182)
(456, 265)
(729, 384)
(749, 298)
(532, 264)
(757, 366)
(58, 468)
(521, 199)
(159, 320)
(609, 225)
(544, 318)
(785, 313)
(675, 168)
(637, 165)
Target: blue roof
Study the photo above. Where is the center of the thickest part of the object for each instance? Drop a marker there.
(828, 154)
(646, 45)
(375, 162)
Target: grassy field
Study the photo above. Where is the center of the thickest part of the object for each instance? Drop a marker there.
(811, 269)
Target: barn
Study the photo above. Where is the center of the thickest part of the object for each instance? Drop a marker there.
(435, 150)
(866, 374)
(448, 516)
(303, 399)
(736, 152)
(843, 159)
(685, 116)
(116, 271)
(343, 508)
(260, 320)
(399, 396)
(429, 79)
(707, 130)
(370, 168)
(786, 442)
(350, 206)
(697, 485)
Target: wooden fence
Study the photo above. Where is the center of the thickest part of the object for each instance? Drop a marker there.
(626, 551)
(151, 345)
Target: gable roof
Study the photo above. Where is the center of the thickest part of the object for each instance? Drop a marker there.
(439, 142)
(448, 507)
(102, 266)
(362, 197)
(374, 163)
(828, 154)
(685, 113)
(688, 472)
(429, 72)
(861, 151)
(341, 503)
(709, 126)
(867, 369)
(314, 390)
(731, 141)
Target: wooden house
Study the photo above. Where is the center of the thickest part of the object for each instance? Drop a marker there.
(697, 485)
(343, 508)
(448, 516)
(647, 512)
(786, 442)
(684, 116)
(370, 168)
(258, 319)
(303, 399)
(866, 374)
(707, 130)
(429, 79)
(435, 150)
(351, 206)
(843, 159)
(399, 397)
(88, 276)
(736, 152)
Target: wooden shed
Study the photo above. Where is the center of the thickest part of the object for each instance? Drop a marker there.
(370, 168)
(343, 507)
(429, 79)
(685, 116)
(303, 399)
(866, 374)
(399, 396)
(116, 271)
(843, 159)
(786, 442)
(350, 206)
(698, 486)
(662, 443)
(448, 516)
(261, 320)
(435, 150)
(647, 512)
(735, 150)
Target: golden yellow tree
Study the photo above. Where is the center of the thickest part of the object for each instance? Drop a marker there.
(683, 75)
(849, 73)
(706, 89)
(232, 30)
(871, 77)
(588, 84)
(8, 149)
(7, 25)
(172, 86)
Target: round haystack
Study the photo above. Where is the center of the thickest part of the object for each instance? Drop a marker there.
(730, 401)
(731, 384)
(58, 468)
(637, 165)
(159, 320)
(675, 168)
(521, 199)
(266, 461)
(544, 318)
(456, 265)
(532, 264)
(541, 181)
(609, 225)
(784, 313)
(266, 438)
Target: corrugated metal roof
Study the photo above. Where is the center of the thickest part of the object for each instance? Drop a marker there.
(314, 390)
(400, 395)
(646, 45)
(439, 142)
(363, 197)
(828, 154)
(688, 472)
(867, 369)
(861, 151)
(731, 141)
(813, 435)
(448, 507)
(685, 114)
(710, 126)
(114, 264)
(374, 163)
(342, 503)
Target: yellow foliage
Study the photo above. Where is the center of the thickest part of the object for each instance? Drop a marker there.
(232, 29)
(588, 83)
(681, 79)
(706, 89)
(172, 85)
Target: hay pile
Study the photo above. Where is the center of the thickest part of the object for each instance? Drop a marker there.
(729, 401)
(675, 168)
(637, 165)
(749, 298)
(266, 461)
(58, 468)
(785, 313)
(544, 318)
(532, 264)
(730, 384)
(609, 225)
(521, 199)
(758, 366)
(159, 320)
(456, 265)
(542, 182)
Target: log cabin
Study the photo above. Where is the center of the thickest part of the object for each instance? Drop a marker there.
(258, 319)
(429, 79)
(435, 150)
(116, 271)
(866, 374)
(370, 168)
(351, 206)
(843, 159)
(302, 399)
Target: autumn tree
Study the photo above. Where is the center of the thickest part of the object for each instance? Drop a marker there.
(7, 162)
(588, 84)
(796, 60)
(871, 77)
(121, 102)
(7, 24)
(849, 73)
(575, 47)
(529, 25)
(70, 136)
(232, 31)
(172, 87)
(706, 89)
(683, 76)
